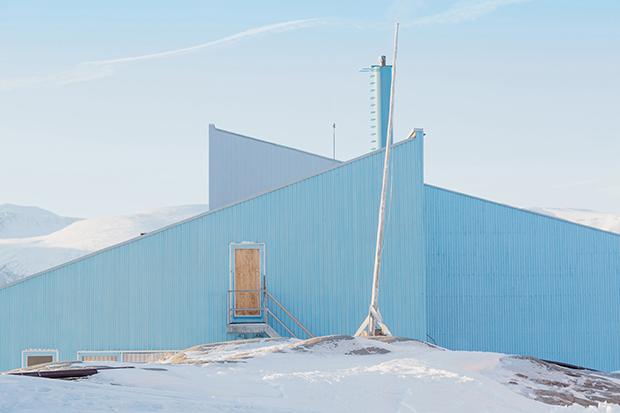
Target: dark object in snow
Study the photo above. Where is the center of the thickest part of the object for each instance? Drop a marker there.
(567, 365)
(67, 370)
(58, 374)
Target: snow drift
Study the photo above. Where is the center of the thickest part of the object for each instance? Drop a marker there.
(323, 374)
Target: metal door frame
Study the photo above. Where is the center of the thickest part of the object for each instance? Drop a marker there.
(232, 317)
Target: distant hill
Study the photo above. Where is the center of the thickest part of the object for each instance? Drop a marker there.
(61, 239)
(601, 220)
(18, 221)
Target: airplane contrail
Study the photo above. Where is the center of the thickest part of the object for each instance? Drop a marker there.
(90, 70)
(464, 11)
(98, 69)
(271, 28)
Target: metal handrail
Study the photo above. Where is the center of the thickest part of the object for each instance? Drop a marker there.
(275, 317)
(289, 314)
(265, 310)
(247, 291)
(232, 309)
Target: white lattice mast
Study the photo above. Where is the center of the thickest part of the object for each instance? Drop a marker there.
(373, 324)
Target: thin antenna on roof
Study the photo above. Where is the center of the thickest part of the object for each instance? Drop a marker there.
(334, 139)
(373, 325)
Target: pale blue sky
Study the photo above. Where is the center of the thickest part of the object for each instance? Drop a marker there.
(519, 99)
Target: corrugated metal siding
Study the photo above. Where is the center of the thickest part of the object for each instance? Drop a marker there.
(168, 289)
(502, 279)
(241, 167)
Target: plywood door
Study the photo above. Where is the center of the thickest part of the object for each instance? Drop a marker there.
(247, 277)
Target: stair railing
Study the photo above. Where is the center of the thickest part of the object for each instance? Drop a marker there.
(264, 312)
(288, 313)
(233, 309)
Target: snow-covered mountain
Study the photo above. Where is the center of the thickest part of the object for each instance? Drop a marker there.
(600, 220)
(17, 221)
(20, 257)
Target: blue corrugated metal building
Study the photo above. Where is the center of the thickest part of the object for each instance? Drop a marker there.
(288, 248)
(509, 280)
(169, 289)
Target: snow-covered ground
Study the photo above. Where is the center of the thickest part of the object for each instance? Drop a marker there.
(601, 220)
(326, 374)
(23, 256)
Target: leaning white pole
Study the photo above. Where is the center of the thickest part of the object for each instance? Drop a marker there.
(374, 321)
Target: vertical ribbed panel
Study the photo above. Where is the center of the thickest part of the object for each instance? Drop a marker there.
(241, 167)
(168, 289)
(507, 280)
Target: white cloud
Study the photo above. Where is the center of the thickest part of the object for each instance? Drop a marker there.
(97, 69)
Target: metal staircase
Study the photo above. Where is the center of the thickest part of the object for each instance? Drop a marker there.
(264, 319)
